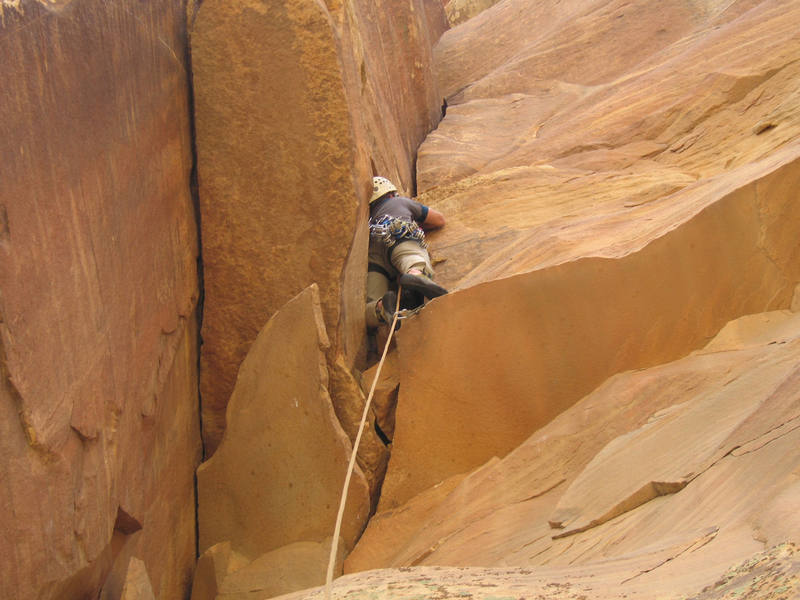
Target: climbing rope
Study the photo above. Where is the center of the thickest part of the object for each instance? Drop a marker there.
(351, 465)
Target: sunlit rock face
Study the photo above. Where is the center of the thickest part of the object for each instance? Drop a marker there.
(563, 144)
(488, 365)
(638, 217)
(99, 431)
(664, 477)
(770, 574)
(297, 103)
(683, 426)
(278, 473)
(620, 181)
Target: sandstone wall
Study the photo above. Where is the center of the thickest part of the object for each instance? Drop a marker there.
(278, 474)
(662, 477)
(668, 482)
(297, 104)
(602, 215)
(98, 287)
(489, 365)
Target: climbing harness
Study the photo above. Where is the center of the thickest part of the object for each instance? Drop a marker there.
(393, 230)
(351, 465)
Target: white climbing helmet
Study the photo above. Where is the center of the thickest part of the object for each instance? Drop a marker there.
(380, 187)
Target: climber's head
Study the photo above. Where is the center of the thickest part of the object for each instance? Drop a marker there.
(380, 187)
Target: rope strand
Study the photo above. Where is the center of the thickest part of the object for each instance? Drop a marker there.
(351, 465)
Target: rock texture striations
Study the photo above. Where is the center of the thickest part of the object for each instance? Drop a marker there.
(459, 11)
(605, 406)
(607, 217)
(636, 311)
(99, 431)
(661, 479)
(608, 400)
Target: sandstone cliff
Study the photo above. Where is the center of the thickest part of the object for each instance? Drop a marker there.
(605, 406)
(99, 433)
(298, 104)
(618, 187)
(608, 216)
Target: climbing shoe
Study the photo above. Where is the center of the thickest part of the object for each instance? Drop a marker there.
(388, 307)
(410, 299)
(421, 284)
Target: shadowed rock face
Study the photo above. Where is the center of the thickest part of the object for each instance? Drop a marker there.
(99, 426)
(297, 103)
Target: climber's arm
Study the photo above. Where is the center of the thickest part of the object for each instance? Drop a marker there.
(433, 220)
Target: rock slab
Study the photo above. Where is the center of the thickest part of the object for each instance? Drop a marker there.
(278, 473)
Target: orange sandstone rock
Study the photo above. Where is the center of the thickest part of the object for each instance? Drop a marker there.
(772, 574)
(606, 218)
(213, 566)
(384, 399)
(591, 212)
(137, 584)
(486, 366)
(278, 474)
(98, 278)
(348, 404)
(287, 569)
(539, 163)
(680, 531)
(459, 11)
(296, 103)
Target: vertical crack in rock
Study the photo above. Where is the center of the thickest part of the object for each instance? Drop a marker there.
(5, 232)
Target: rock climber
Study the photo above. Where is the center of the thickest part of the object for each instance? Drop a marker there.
(398, 252)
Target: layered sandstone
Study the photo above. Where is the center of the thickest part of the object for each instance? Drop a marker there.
(650, 306)
(544, 142)
(772, 574)
(99, 433)
(297, 105)
(608, 218)
(674, 473)
(618, 188)
(589, 413)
